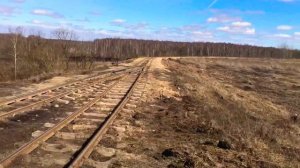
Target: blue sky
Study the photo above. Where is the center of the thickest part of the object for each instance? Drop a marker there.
(257, 22)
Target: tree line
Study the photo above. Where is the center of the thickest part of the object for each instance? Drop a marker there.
(22, 57)
(127, 48)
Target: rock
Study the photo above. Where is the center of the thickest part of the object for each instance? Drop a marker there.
(169, 153)
(56, 105)
(120, 129)
(224, 144)
(107, 152)
(48, 125)
(69, 113)
(37, 133)
(61, 161)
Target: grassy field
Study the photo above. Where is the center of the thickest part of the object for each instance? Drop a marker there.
(250, 103)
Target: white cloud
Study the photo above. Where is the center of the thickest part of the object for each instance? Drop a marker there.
(250, 31)
(238, 27)
(45, 25)
(202, 34)
(286, 1)
(118, 22)
(222, 19)
(284, 27)
(212, 20)
(224, 28)
(297, 33)
(45, 12)
(36, 21)
(241, 24)
(282, 35)
(193, 27)
(238, 30)
(124, 24)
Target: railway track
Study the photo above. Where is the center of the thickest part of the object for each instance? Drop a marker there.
(27, 96)
(62, 93)
(70, 142)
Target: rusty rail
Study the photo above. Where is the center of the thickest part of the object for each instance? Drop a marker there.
(96, 76)
(88, 149)
(33, 144)
(36, 142)
(47, 100)
(43, 91)
(37, 104)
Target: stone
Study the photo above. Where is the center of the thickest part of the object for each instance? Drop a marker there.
(48, 125)
(107, 152)
(37, 133)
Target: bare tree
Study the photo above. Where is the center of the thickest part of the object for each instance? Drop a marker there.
(16, 33)
(66, 38)
(286, 50)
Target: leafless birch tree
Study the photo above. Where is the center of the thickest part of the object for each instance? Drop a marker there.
(16, 33)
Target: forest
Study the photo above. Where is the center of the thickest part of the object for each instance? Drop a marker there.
(23, 56)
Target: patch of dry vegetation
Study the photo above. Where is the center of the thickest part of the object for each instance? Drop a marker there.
(249, 103)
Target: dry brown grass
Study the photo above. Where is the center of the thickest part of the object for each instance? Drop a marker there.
(36, 73)
(250, 101)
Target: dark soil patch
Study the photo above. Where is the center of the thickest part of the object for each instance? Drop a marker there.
(169, 153)
(138, 116)
(8, 89)
(108, 142)
(18, 130)
(224, 144)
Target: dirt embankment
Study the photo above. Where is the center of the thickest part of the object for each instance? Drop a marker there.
(215, 112)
